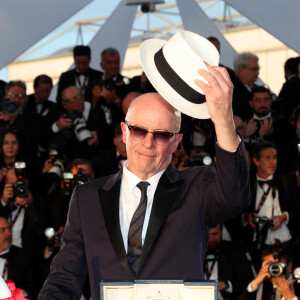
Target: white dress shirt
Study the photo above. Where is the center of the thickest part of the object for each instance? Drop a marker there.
(130, 196)
(271, 207)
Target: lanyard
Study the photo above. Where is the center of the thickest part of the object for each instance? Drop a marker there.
(83, 85)
(208, 271)
(13, 221)
(5, 270)
(263, 199)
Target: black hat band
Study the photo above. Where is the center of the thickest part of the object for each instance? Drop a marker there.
(171, 77)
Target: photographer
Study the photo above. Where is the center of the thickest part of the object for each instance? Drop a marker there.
(25, 211)
(274, 280)
(268, 125)
(15, 116)
(269, 214)
(80, 171)
(73, 129)
(107, 112)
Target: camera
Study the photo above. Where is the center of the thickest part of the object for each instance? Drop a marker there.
(277, 269)
(68, 183)
(262, 226)
(70, 180)
(53, 241)
(7, 106)
(81, 178)
(20, 187)
(199, 159)
(81, 131)
(57, 163)
(109, 85)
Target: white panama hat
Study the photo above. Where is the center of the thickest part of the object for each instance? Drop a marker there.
(171, 66)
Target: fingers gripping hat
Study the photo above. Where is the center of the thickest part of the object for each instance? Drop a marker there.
(171, 66)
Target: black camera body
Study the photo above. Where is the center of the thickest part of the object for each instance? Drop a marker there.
(277, 269)
(70, 181)
(262, 226)
(109, 85)
(80, 127)
(81, 178)
(262, 221)
(7, 106)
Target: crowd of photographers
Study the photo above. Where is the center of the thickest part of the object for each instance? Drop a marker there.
(47, 148)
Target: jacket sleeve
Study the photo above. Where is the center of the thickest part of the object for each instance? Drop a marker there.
(228, 192)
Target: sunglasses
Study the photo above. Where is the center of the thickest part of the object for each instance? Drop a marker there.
(13, 96)
(159, 137)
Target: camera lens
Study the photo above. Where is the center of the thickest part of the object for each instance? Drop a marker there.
(276, 269)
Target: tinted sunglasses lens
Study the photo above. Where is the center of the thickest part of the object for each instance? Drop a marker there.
(138, 133)
(161, 138)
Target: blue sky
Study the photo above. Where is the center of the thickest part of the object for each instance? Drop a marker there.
(100, 8)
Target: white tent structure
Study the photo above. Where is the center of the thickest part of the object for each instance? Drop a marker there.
(24, 23)
(23, 27)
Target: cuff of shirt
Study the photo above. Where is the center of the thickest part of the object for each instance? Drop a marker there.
(250, 289)
(287, 217)
(229, 288)
(236, 147)
(54, 128)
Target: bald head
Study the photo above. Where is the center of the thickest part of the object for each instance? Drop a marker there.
(153, 102)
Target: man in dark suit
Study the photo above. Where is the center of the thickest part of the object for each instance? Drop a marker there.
(82, 76)
(166, 237)
(13, 264)
(247, 70)
(290, 91)
(110, 64)
(227, 263)
(39, 102)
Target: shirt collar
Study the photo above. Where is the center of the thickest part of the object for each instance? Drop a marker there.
(269, 178)
(131, 180)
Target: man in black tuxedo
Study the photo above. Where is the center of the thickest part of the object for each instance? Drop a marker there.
(13, 264)
(268, 201)
(290, 91)
(227, 263)
(247, 70)
(39, 102)
(182, 205)
(82, 76)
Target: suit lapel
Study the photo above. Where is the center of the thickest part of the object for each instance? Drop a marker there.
(109, 199)
(165, 195)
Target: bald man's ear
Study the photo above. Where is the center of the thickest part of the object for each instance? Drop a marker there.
(178, 137)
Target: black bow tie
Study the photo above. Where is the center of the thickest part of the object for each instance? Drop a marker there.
(81, 73)
(213, 253)
(262, 182)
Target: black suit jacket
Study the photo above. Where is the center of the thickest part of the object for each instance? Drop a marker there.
(185, 205)
(240, 100)
(69, 78)
(21, 271)
(234, 266)
(290, 94)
